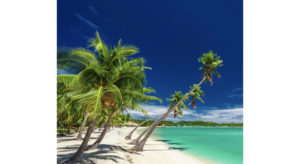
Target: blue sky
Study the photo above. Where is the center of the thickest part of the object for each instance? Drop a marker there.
(171, 35)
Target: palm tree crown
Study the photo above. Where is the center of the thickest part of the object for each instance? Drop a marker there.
(106, 77)
(210, 62)
(175, 98)
(196, 94)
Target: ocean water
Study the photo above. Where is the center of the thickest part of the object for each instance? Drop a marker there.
(221, 145)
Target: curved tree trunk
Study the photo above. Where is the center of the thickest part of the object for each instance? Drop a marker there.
(135, 141)
(100, 138)
(82, 126)
(85, 141)
(141, 144)
(128, 137)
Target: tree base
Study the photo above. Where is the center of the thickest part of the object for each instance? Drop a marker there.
(78, 138)
(136, 148)
(71, 161)
(92, 147)
(133, 142)
(128, 138)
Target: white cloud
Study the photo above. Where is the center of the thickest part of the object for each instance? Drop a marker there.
(236, 93)
(93, 10)
(216, 115)
(86, 21)
(152, 110)
(223, 115)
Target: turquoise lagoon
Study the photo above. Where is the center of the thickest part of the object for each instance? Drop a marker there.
(223, 145)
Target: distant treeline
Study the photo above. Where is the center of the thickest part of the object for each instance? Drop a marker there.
(188, 123)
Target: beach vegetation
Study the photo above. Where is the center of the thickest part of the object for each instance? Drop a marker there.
(107, 81)
(210, 63)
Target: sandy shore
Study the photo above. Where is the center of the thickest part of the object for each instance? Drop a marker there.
(113, 149)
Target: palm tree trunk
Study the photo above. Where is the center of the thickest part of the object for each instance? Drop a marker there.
(141, 144)
(82, 126)
(128, 137)
(135, 141)
(85, 141)
(100, 138)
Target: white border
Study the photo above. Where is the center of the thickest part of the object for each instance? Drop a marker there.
(271, 76)
(28, 81)
(271, 81)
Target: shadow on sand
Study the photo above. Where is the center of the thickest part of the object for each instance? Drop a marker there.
(100, 153)
(169, 142)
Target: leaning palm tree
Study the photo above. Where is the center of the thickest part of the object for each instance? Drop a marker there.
(82, 126)
(107, 81)
(175, 98)
(131, 93)
(130, 101)
(137, 139)
(128, 137)
(178, 111)
(210, 63)
(196, 95)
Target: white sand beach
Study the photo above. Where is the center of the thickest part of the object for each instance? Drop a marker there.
(114, 149)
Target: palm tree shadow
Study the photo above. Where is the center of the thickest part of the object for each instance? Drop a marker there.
(164, 140)
(115, 148)
(100, 153)
(72, 137)
(66, 139)
(169, 142)
(87, 158)
(178, 148)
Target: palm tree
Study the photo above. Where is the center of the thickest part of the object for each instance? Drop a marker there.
(196, 94)
(68, 112)
(175, 98)
(85, 141)
(107, 80)
(135, 141)
(128, 137)
(129, 100)
(210, 63)
(82, 126)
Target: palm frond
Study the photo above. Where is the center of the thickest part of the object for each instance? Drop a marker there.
(84, 55)
(140, 96)
(149, 90)
(210, 63)
(67, 80)
(128, 50)
(140, 109)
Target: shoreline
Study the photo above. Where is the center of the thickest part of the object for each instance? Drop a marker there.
(114, 149)
(201, 159)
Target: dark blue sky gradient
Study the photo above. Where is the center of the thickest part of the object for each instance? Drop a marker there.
(171, 35)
